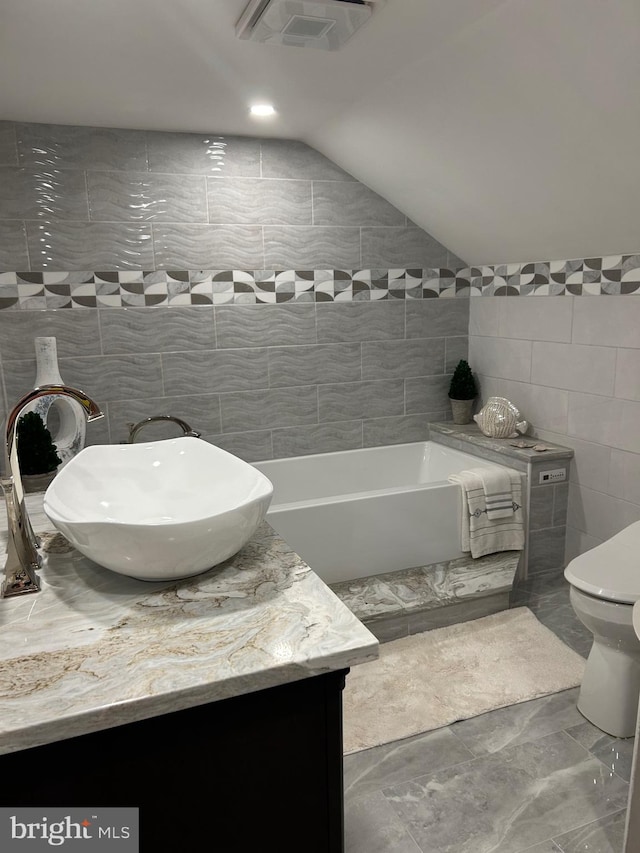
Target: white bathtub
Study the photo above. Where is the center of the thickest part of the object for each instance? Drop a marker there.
(363, 512)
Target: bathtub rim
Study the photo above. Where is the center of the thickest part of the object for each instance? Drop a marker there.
(370, 493)
(361, 496)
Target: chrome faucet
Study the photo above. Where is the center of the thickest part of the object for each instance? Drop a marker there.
(134, 429)
(23, 559)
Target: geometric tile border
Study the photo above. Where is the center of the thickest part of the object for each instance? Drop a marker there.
(606, 276)
(611, 275)
(34, 290)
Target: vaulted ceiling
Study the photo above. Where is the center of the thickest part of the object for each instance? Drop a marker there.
(508, 129)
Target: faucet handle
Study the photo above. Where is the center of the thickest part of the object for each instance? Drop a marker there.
(184, 426)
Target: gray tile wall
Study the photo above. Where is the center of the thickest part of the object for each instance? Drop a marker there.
(571, 365)
(547, 530)
(261, 381)
(83, 198)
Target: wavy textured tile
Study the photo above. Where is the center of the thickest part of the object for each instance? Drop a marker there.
(19, 379)
(75, 332)
(42, 194)
(456, 349)
(389, 359)
(114, 377)
(200, 411)
(143, 196)
(273, 408)
(352, 203)
(288, 158)
(211, 372)
(317, 438)
(251, 446)
(398, 430)
(238, 201)
(428, 318)
(89, 245)
(427, 394)
(367, 399)
(310, 247)
(104, 378)
(157, 329)
(360, 321)
(204, 154)
(306, 365)
(13, 246)
(208, 246)
(69, 147)
(401, 247)
(265, 325)
(8, 145)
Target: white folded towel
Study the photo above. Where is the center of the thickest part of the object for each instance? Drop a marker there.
(496, 482)
(480, 534)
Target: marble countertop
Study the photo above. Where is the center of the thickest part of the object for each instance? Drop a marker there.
(471, 434)
(94, 649)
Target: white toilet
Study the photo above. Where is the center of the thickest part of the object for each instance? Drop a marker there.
(605, 584)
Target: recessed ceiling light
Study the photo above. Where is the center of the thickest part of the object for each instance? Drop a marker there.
(262, 110)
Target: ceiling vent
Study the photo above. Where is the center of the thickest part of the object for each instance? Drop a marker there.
(323, 24)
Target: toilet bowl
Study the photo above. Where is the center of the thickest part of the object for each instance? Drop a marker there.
(604, 586)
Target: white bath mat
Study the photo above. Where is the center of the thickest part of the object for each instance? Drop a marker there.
(429, 680)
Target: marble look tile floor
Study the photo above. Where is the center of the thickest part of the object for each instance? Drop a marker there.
(530, 778)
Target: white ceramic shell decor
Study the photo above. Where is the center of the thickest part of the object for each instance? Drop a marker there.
(499, 418)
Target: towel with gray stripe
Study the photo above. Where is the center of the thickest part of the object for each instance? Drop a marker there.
(492, 515)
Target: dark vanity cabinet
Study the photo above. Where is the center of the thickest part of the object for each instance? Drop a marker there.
(258, 771)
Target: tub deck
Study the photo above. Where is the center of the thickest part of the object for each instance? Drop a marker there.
(396, 604)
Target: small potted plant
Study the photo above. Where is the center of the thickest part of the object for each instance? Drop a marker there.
(463, 391)
(37, 454)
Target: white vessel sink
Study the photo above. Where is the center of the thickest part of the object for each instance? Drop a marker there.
(160, 510)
